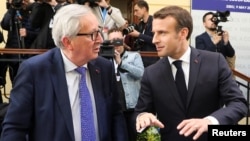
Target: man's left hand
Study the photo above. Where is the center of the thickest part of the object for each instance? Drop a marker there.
(189, 126)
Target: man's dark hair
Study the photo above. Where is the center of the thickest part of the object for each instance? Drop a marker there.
(114, 30)
(91, 2)
(205, 15)
(182, 17)
(142, 3)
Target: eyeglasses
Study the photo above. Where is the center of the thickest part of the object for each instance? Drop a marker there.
(93, 35)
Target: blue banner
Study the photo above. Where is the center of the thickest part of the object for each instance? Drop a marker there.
(222, 5)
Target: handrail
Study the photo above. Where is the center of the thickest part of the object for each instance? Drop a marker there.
(148, 54)
(22, 51)
(247, 79)
(241, 75)
(39, 51)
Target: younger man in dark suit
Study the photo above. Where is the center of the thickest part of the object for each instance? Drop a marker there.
(207, 78)
(213, 39)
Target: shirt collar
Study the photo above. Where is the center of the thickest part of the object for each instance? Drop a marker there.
(185, 57)
(68, 65)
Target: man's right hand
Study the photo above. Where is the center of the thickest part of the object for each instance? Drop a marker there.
(216, 38)
(144, 120)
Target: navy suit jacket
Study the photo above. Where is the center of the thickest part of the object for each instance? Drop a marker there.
(204, 42)
(210, 86)
(40, 107)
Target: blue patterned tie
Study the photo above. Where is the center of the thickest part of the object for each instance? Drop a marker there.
(180, 81)
(87, 119)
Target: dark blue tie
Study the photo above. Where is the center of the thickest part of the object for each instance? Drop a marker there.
(180, 81)
(87, 119)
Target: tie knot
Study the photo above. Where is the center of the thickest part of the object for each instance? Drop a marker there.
(81, 70)
(177, 64)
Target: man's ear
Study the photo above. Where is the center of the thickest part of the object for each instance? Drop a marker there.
(184, 33)
(67, 43)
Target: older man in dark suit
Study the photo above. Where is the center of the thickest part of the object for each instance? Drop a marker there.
(45, 100)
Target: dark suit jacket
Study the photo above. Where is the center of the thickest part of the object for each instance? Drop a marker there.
(40, 18)
(40, 106)
(210, 86)
(204, 42)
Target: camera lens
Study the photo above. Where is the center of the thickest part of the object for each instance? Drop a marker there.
(128, 30)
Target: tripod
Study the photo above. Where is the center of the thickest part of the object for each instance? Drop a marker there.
(18, 24)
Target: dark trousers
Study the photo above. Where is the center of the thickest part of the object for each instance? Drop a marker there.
(11, 65)
(131, 127)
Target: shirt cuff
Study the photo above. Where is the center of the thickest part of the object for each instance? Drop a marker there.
(213, 120)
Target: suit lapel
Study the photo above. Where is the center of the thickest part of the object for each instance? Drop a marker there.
(95, 75)
(195, 62)
(61, 91)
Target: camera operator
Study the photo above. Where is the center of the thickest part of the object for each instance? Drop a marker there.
(42, 17)
(213, 39)
(20, 34)
(143, 31)
(129, 70)
(108, 16)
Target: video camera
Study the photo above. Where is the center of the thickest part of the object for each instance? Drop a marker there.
(16, 4)
(137, 43)
(218, 17)
(107, 48)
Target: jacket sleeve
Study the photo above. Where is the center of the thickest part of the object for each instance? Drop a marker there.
(7, 22)
(116, 15)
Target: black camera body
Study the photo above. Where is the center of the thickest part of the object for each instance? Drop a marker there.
(92, 3)
(218, 17)
(107, 49)
(129, 29)
(16, 4)
(137, 43)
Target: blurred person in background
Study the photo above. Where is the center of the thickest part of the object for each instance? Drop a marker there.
(128, 39)
(143, 32)
(42, 18)
(129, 70)
(212, 40)
(20, 34)
(108, 16)
(61, 3)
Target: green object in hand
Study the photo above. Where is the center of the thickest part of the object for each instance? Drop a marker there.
(149, 134)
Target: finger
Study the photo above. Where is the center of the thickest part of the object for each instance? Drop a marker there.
(145, 120)
(190, 130)
(198, 134)
(182, 124)
(140, 123)
(185, 127)
(158, 124)
(138, 127)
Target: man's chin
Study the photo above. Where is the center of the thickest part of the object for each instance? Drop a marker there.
(160, 53)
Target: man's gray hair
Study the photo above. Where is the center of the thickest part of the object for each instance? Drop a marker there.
(66, 22)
